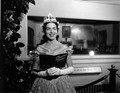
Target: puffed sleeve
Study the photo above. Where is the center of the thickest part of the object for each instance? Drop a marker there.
(69, 49)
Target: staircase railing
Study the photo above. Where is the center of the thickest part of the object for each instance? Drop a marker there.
(94, 87)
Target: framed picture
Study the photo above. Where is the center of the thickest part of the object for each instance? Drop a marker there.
(66, 31)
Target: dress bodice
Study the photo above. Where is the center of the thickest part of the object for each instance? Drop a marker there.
(53, 58)
(48, 61)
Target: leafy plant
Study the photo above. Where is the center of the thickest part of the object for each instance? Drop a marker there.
(13, 14)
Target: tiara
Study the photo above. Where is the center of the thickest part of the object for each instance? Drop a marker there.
(50, 18)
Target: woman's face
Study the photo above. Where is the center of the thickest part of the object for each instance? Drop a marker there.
(51, 31)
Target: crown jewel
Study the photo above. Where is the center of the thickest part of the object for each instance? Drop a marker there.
(50, 18)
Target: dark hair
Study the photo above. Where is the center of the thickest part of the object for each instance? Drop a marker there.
(44, 39)
(45, 24)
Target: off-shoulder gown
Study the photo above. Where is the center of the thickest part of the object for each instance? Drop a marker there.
(53, 84)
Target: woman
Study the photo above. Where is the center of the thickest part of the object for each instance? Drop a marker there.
(52, 76)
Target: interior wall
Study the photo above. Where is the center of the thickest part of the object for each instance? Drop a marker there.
(24, 39)
(75, 9)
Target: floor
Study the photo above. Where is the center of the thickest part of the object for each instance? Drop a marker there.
(97, 92)
(109, 92)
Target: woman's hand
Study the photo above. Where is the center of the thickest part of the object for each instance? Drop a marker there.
(53, 71)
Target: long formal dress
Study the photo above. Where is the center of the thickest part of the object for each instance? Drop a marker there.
(53, 84)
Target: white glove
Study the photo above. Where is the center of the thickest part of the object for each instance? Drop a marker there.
(53, 71)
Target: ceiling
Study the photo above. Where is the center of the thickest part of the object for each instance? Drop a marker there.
(111, 2)
(82, 21)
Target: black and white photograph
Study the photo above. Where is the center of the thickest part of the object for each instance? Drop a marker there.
(60, 46)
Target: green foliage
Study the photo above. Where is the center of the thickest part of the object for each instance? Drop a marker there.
(13, 14)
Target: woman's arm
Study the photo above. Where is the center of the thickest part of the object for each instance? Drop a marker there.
(69, 68)
(36, 67)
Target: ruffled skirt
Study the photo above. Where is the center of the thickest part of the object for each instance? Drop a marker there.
(62, 84)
